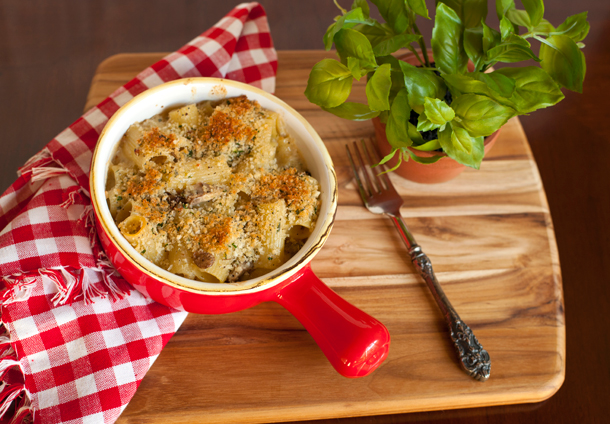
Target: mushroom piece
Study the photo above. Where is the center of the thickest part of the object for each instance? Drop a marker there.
(239, 270)
(203, 259)
(202, 192)
(175, 199)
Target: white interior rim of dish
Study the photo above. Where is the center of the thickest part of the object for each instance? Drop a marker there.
(194, 90)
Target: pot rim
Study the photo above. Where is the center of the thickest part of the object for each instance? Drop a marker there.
(320, 155)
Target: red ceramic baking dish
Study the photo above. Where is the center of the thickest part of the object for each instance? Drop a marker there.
(354, 342)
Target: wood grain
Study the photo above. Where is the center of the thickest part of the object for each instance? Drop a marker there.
(491, 240)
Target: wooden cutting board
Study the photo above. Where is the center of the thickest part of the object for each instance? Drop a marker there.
(490, 237)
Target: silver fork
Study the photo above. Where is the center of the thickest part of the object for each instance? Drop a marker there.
(380, 196)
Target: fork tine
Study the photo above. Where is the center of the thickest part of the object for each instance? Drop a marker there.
(361, 189)
(372, 160)
(371, 187)
(384, 174)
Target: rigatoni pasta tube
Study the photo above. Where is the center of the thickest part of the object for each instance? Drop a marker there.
(132, 226)
(272, 231)
(188, 115)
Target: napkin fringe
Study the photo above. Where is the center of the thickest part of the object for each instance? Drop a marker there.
(40, 159)
(25, 412)
(18, 287)
(18, 395)
(43, 166)
(13, 393)
(114, 283)
(71, 284)
(71, 196)
(41, 173)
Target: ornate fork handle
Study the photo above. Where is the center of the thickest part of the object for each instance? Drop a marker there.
(474, 359)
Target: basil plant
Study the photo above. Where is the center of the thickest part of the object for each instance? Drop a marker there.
(442, 104)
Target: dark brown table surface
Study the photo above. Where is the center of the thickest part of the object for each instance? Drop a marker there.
(49, 51)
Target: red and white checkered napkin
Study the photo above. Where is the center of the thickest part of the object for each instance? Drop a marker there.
(75, 341)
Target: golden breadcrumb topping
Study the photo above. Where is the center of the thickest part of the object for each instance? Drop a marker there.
(213, 191)
(154, 140)
(146, 185)
(289, 185)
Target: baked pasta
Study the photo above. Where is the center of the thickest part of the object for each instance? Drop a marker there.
(214, 191)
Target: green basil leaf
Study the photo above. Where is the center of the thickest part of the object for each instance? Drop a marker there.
(402, 153)
(392, 44)
(375, 33)
(576, 27)
(398, 79)
(535, 10)
(491, 38)
(329, 35)
(424, 159)
(428, 146)
(496, 87)
(473, 46)
(419, 7)
(563, 61)
(472, 159)
(470, 12)
(480, 115)
(349, 20)
(460, 84)
(497, 82)
(502, 10)
(437, 111)
(534, 88)
(396, 127)
(387, 157)
(395, 63)
(378, 88)
(424, 124)
(506, 28)
(384, 115)
(460, 139)
(513, 49)
(420, 84)
(502, 6)
(355, 19)
(395, 14)
(524, 89)
(447, 41)
(329, 83)
(351, 43)
(353, 111)
(363, 5)
(353, 65)
(519, 17)
(544, 28)
(415, 135)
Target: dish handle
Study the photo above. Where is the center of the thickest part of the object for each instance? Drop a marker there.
(354, 342)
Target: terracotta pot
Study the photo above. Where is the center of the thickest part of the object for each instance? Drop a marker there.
(444, 169)
(440, 171)
(354, 342)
